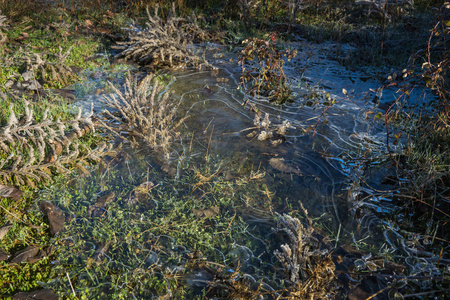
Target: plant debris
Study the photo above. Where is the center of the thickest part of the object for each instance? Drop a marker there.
(207, 212)
(309, 269)
(99, 207)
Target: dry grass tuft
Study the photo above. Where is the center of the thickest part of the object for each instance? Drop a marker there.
(309, 270)
(57, 71)
(3, 20)
(164, 43)
(145, 111)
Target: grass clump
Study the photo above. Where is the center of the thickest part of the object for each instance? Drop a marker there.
(309, 269)
(145, 111)
(163, 43)
(31, 149)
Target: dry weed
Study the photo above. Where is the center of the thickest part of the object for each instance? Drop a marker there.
(310, 270)
(163, 43)
(144, 111)
(57, 71)
(31, 149)
(3, 20)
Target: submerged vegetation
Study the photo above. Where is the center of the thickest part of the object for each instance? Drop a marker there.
(132, 200)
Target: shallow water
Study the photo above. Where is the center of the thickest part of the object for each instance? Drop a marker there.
(216, 167)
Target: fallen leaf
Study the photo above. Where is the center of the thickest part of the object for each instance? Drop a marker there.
(279, 165)
(144, 187)
(46, 252)
(206, 213)
(25, 254)
(105, 200)
(101, 252)
(4, 230)
(88, 23)
(10, 192)
(99, 207)
(55, 216)
(44, 294)
(4, 255)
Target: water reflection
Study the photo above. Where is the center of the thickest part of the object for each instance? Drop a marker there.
(213, 201)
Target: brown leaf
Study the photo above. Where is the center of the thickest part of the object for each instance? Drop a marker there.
(279, 165)
(25, 254)
(10, 192)
(206, 213)
(4, 230)
(4, 255)
(105, 200)
(44, 294)
(99, 207)
(88, 23)
(55, 216)
(42, 254)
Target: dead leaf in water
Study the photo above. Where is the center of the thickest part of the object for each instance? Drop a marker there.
(44, 294)
(279, 165)
(206, 213)
(25, 254)
(55, 216)
(4, 255)
(10, 192)
(99, 207)
(4, 230)
(105, 200)
(144, 187)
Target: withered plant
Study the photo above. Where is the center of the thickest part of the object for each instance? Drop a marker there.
(262, 69)
(32, 150)
(3, 25)
(308, 268)
(144, 111)
(163, 43)
(52, 68)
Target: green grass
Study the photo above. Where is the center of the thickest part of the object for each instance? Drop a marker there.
(162, 222)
